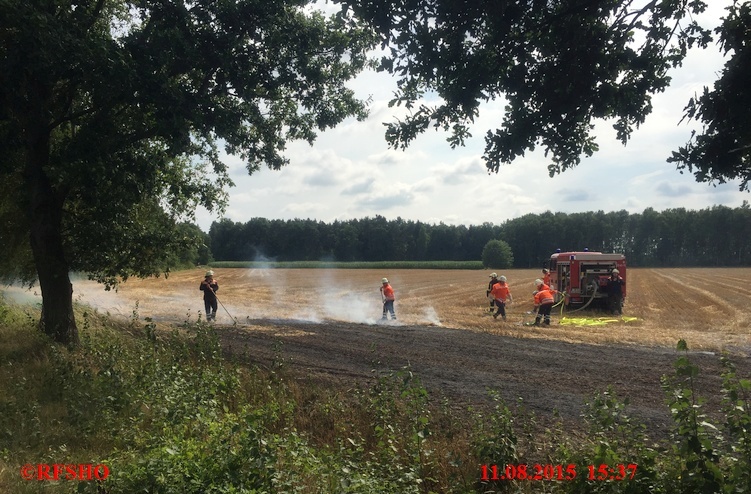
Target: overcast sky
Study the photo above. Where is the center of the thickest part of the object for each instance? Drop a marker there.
(350, 172)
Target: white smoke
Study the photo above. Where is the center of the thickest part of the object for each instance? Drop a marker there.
(431, 316)
(21, 295)
(350, 307)
(275, 294)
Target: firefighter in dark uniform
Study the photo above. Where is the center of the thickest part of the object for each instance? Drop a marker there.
(209, 287)
(493, 281)
(614, 289)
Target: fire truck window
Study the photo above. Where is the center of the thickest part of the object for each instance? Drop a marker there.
(563, 277)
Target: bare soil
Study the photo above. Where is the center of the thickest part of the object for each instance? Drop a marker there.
(547, 375)
(325, 327)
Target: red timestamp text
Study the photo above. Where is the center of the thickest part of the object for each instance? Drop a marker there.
(618, 471)
(523, 471)
(569, 471)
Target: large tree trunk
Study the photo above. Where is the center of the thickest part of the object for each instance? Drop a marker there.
(45, 217)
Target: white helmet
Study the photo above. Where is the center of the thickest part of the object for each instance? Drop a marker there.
(615, 271)
(502, 278)
(494, 275)
(384, 280)
(538, 282)
(209, 273)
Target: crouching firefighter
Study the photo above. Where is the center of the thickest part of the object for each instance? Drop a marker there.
(544, 301)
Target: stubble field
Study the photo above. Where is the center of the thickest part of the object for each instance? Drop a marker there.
(324, 326)
(709, 308)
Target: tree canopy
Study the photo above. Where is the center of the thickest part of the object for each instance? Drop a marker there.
(722, 151)
(560, 66)
(112, 113)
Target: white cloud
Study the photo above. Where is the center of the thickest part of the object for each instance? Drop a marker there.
(387, 198)
(303, 209)
(578, 195)
(361, 187)
(645, 178)
(322, 178)
(462, 171)
(388, 157)
(671, 190)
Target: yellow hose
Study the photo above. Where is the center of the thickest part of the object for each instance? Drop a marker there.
(593, 321)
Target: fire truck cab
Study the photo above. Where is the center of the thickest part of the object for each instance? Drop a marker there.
(584, 275)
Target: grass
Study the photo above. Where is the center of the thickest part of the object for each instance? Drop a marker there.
(167, 413)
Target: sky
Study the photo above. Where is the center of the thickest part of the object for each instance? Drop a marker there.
(351, 173)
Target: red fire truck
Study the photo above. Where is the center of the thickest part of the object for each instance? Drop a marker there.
(583, 276)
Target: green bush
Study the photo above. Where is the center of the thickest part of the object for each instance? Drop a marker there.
(495, 444)
(497, 254)
(616, 440)
(709, 457)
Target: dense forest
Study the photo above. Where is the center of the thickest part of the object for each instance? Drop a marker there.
(717, 236)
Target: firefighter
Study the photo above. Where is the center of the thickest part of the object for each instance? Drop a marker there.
(209, 286)
(387, 295)
(501, 295)
(544, 300)
(540, 285)
(546, 276)
(614, 289)
(493, 281)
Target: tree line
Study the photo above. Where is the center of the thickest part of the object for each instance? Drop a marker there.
(716, 236)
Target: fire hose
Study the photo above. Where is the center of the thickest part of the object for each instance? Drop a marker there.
(587, 321)
(591, 299)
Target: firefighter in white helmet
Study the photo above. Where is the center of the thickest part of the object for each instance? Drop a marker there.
(501, 296)
(209, 286)
(388, 297)
(541, 285)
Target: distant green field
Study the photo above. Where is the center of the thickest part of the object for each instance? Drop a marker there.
(350, 265)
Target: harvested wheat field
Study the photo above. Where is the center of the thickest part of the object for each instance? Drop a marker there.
(324, 325)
